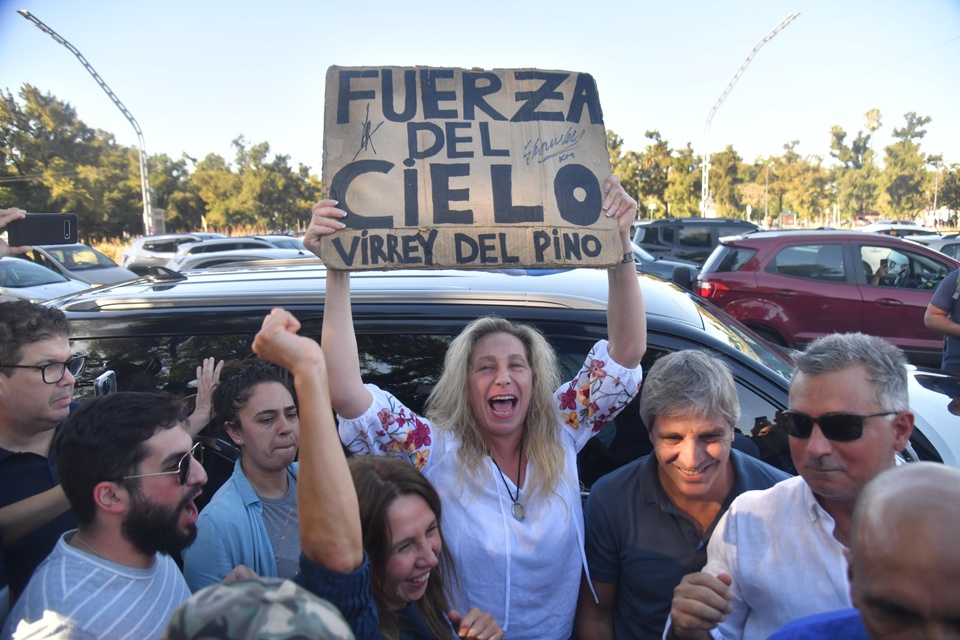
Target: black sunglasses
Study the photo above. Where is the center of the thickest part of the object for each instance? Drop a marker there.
(839, 427)
(183, 467)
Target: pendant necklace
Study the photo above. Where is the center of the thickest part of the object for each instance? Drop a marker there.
(517, 509)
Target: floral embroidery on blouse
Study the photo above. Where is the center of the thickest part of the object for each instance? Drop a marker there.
(591, 400)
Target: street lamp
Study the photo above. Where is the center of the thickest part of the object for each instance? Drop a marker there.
(766, 189)
(144, 180)
(705, 180)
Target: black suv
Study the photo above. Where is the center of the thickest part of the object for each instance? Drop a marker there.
(154, 331)
(688, 238)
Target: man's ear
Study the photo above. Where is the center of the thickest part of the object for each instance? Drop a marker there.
(111, 497)
(903, 427)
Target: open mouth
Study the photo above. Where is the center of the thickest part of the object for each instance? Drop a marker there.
(693, 472)
(419, 581)
(502, 406)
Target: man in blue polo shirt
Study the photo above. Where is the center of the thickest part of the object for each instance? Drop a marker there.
(648, 523)
(37, 374)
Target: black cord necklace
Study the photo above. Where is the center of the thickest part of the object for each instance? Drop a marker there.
(517, 509)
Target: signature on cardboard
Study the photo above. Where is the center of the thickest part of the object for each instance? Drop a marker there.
(541, 150)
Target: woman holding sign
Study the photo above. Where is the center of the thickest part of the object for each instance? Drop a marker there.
(500, 437)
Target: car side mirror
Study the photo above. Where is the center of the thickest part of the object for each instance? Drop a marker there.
(683, 277)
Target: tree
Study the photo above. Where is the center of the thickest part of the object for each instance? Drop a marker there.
(624, 165)
(855, 179)
(683, 187)
(653, 173)
(725, 180)
(904, 169)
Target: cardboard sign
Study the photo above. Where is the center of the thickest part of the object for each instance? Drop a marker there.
(441, 168)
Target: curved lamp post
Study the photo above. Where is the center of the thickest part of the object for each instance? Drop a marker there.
(144, 180)
(705, 180)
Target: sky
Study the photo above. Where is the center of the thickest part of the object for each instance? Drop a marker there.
(197, 74)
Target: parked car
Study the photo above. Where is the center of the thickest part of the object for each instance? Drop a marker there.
(239, 256)
(948, 245)
(156, 251)
(24, 280)
(680, 272)
(913, 232)
(214, 245)
(78, 262)
(687, 238)
(794, 286)
(283, 242)
(153, 332)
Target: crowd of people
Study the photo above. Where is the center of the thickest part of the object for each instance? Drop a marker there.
(348, 515)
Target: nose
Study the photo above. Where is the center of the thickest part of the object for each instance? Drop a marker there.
(689, 455)
(503, 374)
(197, 475)
(817, 443)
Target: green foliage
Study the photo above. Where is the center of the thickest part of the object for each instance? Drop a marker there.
(904, 172)
(51, 161)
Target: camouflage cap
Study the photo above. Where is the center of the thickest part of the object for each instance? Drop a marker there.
(270, 609)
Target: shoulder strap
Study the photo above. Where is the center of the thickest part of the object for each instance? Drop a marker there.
(956, 290)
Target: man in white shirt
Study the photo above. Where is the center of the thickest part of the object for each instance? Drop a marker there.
(904, 561)
(129, 471)
(777, 555)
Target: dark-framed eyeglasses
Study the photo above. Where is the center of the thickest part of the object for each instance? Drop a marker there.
(53, 372)
(839, 427)
(183, 467)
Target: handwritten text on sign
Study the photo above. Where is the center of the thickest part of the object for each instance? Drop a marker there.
(455, 168)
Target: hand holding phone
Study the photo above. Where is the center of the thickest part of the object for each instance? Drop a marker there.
(42, 228)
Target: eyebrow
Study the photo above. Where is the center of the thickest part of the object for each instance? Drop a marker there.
(268, 412)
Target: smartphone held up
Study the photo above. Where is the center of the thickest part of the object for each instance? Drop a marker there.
(43, 228)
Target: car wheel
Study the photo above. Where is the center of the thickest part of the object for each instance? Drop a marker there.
(770, 336)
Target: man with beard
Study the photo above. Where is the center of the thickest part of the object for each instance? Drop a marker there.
(131, 473)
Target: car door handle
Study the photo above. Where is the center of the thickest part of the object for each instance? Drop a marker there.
(889, 302)
(786, 293)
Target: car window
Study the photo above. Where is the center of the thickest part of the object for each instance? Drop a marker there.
(886, 267)
(815, 262)
(80, 258)
(727, 258)
(694, 236)
(162, 246)
(16, 274)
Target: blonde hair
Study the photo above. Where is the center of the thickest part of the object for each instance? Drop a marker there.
(448, 406)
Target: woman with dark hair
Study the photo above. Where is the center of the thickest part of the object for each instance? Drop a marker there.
(500, 437)
(252, 519)
(370, 531)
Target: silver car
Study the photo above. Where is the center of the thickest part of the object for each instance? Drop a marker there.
(79, 262)
(24, 280)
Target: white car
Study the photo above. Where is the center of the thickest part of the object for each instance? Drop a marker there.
(238, 256)
(24, 280)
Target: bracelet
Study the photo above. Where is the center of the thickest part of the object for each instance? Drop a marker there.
(628, 258)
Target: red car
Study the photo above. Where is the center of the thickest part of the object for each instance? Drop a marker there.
(794, 286)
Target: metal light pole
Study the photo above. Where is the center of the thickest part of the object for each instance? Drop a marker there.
(144, 180)
(705, 180)
(766, 201)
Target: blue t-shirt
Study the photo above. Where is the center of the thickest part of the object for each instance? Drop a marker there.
(845, 624)
(637, 539)
(943, 299)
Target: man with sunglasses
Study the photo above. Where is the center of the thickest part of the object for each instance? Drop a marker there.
(778, 555)
(131, 473)
(904, 561)
(37, 374)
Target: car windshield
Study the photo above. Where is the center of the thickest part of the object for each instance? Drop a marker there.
(726, 328)
(80, 258)
(17, 274)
